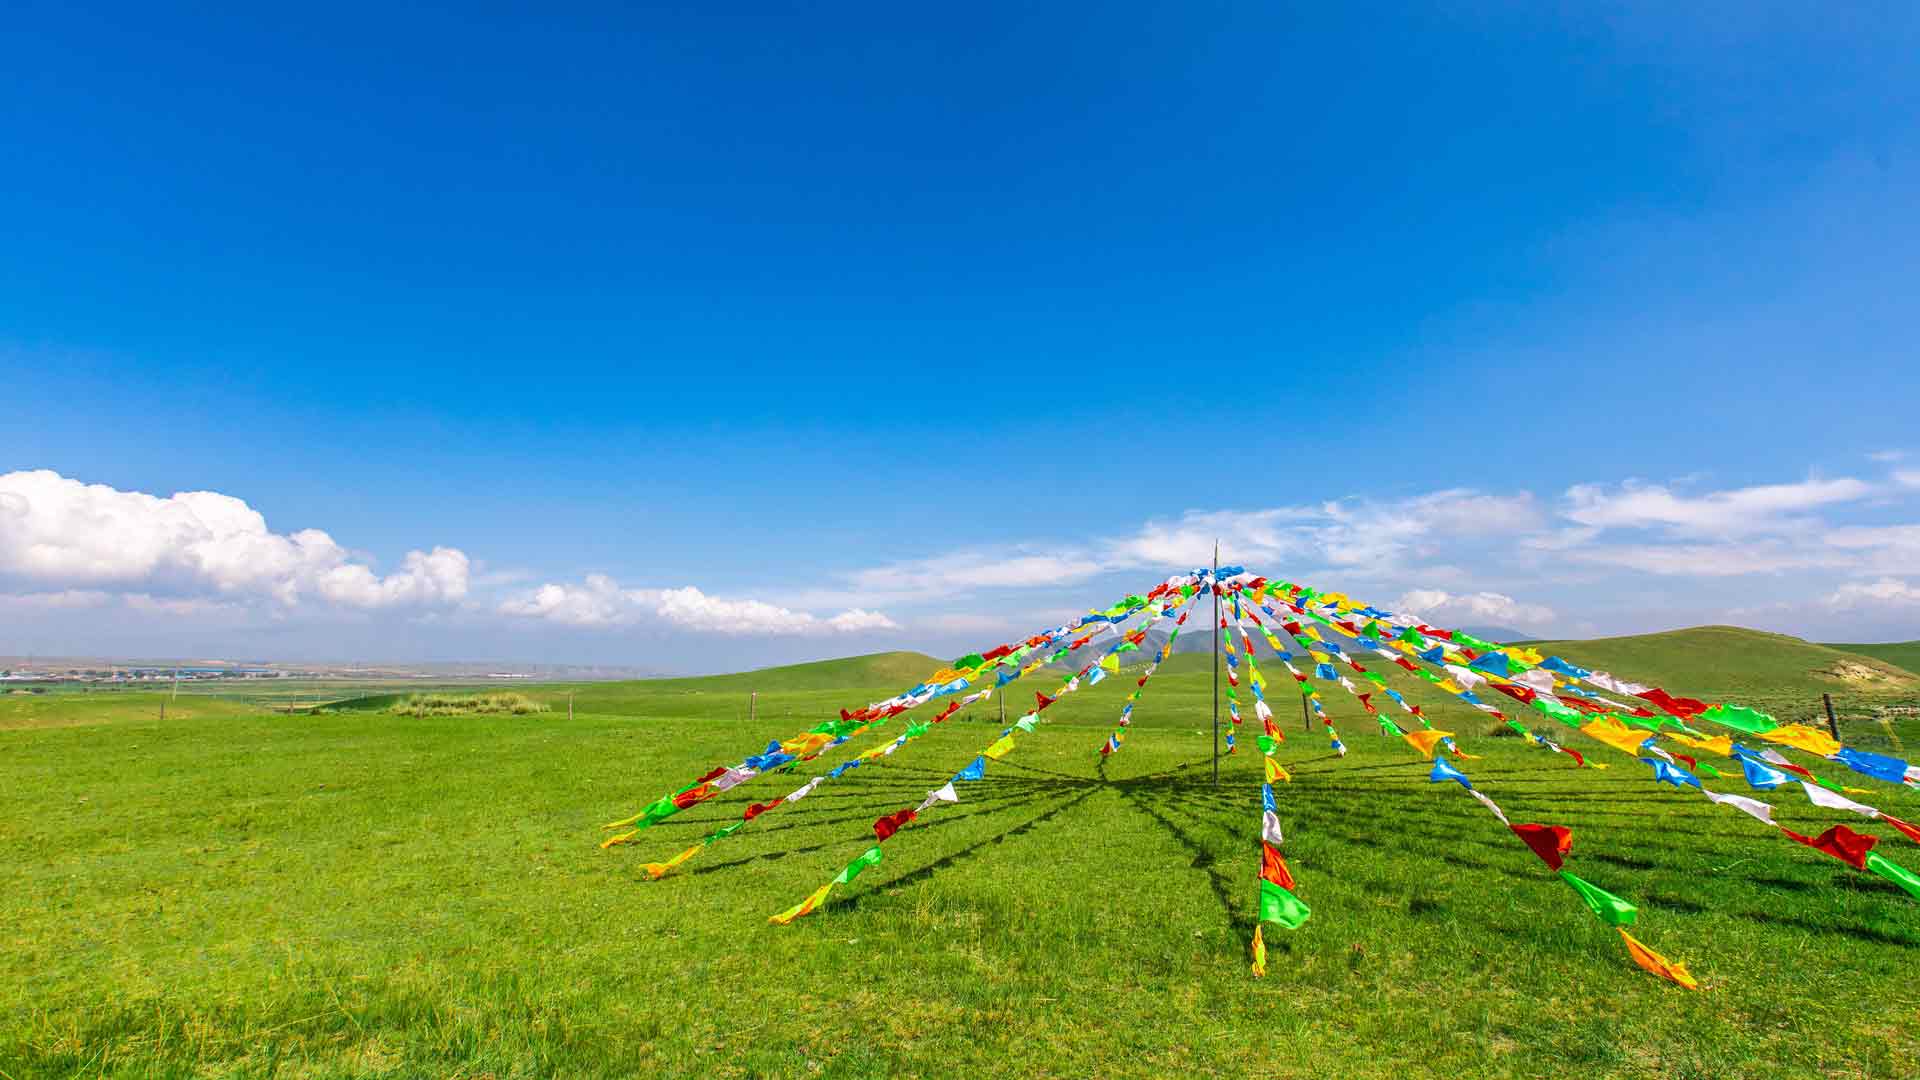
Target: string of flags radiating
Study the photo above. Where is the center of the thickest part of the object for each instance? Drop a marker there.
(1333, 631)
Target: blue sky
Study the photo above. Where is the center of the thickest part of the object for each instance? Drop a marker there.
(921, 315)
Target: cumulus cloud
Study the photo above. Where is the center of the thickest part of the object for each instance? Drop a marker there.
(1441, 608)
(600, 601)
(60, 534)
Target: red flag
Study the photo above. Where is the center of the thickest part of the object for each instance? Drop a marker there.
(946, 712)
(714, 775)
(1522, 694)
(997, 653)
(1684, 708)
(1840, 842)
(1367, 705)
(1041, 701)
(1273, 868)
(759, 808)
(1578, 761)
(1405, 663)
(1692, 763)
(1550, 842)
(695, 795)
(1912, 832)
(892, 823)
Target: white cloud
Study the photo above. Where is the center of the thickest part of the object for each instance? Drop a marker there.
(1737, 512)
(1377, 534)
(1884, 456)
(1887, 592)
(599, 601)
(970, 570)
(1907, 478)
(1439, 607)
(57, 533)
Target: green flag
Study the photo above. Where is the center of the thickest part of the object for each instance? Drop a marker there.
(658, 810)
(1612, 910)
(1894, 872)
(1277, 905)
(1265, 743)
(917, 728)
(1517, 726)
(725, 830)
(1752, 721)
(971, 660)
(870, 858)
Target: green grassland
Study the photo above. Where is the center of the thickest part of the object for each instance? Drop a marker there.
(242, 892)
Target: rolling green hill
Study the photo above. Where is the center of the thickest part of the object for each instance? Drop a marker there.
(1904, 654)
(1732, 660)
(896, 670)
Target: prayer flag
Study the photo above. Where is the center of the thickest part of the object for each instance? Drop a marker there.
(1840, 842)
(1611, 909)
(814, 900)
(889, 824)
(1280, 905)
(1659, 965)
(869, 857)
(1550, 842)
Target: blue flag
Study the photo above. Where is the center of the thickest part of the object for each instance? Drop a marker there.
(1443, 771)
(1762, 776)
(1878, 766)
(1672, 774)
(974, 771)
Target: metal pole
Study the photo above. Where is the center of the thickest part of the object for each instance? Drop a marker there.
(1215, 582)
(1306, 718)
(1833, 725)
(569, 706)
(753, 706)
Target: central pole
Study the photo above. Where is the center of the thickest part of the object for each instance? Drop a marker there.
(1216, 663)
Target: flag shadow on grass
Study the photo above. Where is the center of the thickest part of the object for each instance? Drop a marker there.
(984, 805)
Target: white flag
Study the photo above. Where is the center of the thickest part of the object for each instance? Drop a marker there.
(1489, 804)
(804, 790)
(1753, 807)
(1833, 800)
(945, 794)
(1270, 828)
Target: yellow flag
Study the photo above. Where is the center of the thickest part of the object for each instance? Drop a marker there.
(1615, 734)
(1658, 964)
(1802, 737)
(1275, 772)
(813, 900)
(1259, 952)
(1719, 744)
(999, 749)
(1425, 741)
(623, 838)
(656, 871)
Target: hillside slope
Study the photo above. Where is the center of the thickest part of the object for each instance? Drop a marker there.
(1901, 654)
(1731, 660)
(890, 670)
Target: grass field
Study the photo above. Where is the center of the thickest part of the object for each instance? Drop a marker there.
(242, 892)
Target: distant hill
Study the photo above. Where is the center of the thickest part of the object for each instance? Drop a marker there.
(1505, 635)
(1730, 659)
(1904, 654)
(892, 670)
(1701, 660)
